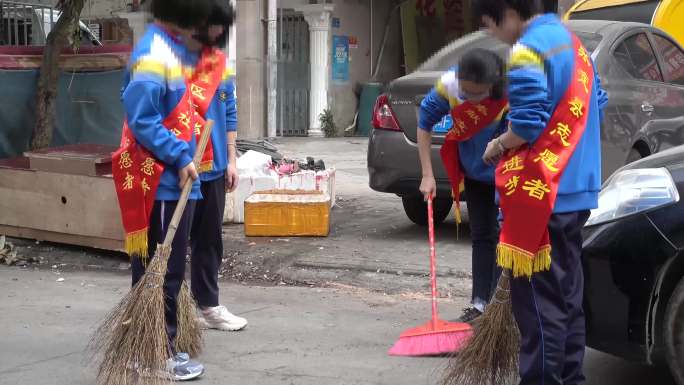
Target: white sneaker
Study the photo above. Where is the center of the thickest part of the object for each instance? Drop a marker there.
(181, 368)
(221, 319)
(178, 368)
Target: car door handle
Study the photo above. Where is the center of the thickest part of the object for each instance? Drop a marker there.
(647, 108)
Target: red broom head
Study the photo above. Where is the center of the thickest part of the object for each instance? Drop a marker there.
(432, 339)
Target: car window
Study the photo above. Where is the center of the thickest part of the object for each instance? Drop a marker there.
(449, 56)
(673, 59)
(635, 55)
(590, 40)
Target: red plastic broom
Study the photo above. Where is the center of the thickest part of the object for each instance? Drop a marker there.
(436, 337)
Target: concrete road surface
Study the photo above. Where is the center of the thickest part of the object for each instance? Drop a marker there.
(297, 335)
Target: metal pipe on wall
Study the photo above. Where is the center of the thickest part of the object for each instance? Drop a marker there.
(372, 36)
(231, 49)
(272, 69)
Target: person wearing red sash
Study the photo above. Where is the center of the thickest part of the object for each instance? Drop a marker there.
(469, 97)
(548, 178)
(221, 176)
(157, 147)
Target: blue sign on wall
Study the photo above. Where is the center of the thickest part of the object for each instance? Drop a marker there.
(340, 59)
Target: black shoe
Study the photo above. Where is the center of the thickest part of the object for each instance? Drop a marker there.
(469, 315)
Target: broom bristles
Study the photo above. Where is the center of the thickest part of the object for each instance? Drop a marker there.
(189, 337)
(429, 345)
(491, 355)
(132, 341)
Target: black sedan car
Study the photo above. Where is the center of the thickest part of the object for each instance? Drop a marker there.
(641, 68)
(634, 263)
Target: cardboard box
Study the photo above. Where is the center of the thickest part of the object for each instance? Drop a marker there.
(281, 213)
(321, 181)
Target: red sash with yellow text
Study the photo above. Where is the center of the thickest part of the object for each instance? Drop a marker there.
(135, 170)
(527, 178)
(468, 120)
(203, 85)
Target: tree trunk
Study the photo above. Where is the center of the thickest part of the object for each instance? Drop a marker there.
(48, 81)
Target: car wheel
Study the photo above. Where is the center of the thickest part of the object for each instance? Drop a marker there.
(416, 209)
(633, 156)
(674, 333)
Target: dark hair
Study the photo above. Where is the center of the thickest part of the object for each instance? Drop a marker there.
(182, 13)
(222, 13)
(484, 67)
(496, 8)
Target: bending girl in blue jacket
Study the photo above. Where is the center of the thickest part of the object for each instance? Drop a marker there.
(473, 94)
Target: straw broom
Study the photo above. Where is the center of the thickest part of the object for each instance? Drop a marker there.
(491, 355)
(189, 336)
(133, 341)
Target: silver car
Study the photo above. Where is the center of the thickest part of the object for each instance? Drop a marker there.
(641, 68)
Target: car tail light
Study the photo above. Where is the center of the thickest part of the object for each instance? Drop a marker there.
(383, 116)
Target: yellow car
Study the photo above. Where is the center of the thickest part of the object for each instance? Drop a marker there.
(664, 14)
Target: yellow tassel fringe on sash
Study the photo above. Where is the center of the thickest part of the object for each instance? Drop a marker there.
(135, 244)
(457, 211)
(522, 263)
(206, 167)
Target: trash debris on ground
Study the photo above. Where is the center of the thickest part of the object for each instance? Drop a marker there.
(7, 253)
(9, 256)
(260, 172)
(263, 146)
(290, 166)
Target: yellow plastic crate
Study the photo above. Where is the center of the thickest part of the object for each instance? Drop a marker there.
(282, 213)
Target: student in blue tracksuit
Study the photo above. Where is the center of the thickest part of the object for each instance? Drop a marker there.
(548, 305)
(153, 86)
(478, 76)
(206, 233)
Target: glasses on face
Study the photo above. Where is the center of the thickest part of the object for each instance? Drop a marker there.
(474, 98)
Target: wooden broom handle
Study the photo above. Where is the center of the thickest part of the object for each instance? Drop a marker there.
(183, 200)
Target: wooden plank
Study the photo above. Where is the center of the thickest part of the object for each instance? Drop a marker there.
(79, 159)
(15, 163)
(77, 205)
(98, 153)
(67, 239)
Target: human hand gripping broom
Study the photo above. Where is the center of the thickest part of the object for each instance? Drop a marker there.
(436, 337)
(133, 341)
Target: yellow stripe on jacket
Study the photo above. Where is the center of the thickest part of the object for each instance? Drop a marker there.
(158, 68)
(523, 56)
